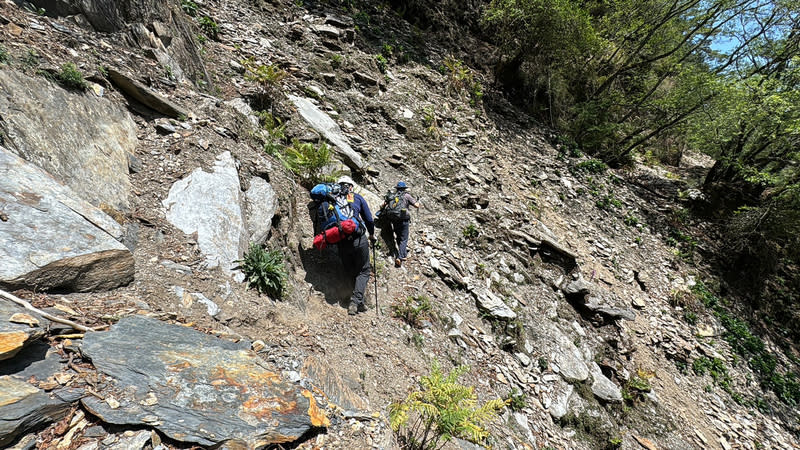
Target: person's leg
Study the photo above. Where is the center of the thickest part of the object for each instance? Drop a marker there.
(402, 240)
(362, 266)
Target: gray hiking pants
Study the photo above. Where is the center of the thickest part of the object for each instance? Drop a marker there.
(355, 259)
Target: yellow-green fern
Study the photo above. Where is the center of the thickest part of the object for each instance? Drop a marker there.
(442, 410)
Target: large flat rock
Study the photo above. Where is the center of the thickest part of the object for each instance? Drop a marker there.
(51, 239)
(194, 387)
(210, 204)
(80, 139)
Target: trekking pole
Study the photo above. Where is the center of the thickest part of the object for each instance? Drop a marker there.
(375, 277)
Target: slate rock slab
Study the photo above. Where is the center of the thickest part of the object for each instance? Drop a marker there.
(80, 139)
(24, 407)
(195, 388)
(145, 95)
(51, 239)
(14, 336)
(330, 130)
(209, 204)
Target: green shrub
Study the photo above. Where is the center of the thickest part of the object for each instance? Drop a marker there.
(4, 54)
(307, 161)
(412, 310)
(264, 270)
(608, 202)
(516, 399)
(442, 410)
(460, 79)
(71, 78)
(382, 63)
(189, 7)
(593, 166)
(209, 27)
(470, 232)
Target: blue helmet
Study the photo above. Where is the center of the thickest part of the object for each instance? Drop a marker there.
(401, 185)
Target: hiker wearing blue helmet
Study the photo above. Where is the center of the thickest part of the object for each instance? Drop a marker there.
(395, 211)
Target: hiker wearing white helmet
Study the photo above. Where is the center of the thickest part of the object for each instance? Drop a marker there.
(395, 211)
(354, 252)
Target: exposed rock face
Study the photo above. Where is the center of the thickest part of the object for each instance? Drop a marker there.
(209, 204)
(51, 239)
(155, 25)
(25, 407)
(194, 387)
(80, 139)
(14, 335)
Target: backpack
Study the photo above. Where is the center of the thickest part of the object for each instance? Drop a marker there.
(396, 209)
(335, 216)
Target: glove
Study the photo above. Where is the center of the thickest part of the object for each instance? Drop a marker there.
(372, 238)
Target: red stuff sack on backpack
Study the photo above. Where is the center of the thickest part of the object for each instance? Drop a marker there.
(329, 236)
(349, 226)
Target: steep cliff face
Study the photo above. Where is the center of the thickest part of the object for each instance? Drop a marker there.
(550, 280)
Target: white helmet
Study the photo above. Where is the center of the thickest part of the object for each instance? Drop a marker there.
(346, 179)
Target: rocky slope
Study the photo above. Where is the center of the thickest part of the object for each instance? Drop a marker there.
(545, 276)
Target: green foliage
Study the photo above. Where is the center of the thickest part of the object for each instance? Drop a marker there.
(189, 7)
(71, 78)
(209, 26)
(516, 399)
(442, 410)
(470, 232)
(31, 59)
(783, 382)
(307, 161)
(631, 220)
(591, 166)
(4, 57)
(460, 80)
(263, 75)
(413, 310)
(608, 202)
(336, 60)
(264, 270)
(382, 63)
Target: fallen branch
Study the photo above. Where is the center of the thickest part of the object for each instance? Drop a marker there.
(47, 316)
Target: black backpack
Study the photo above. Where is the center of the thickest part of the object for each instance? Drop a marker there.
(396, 209)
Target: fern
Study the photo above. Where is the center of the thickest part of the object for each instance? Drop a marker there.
(442, 410)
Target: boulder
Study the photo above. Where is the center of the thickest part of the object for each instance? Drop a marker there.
(209, 204)
(53, 239)
(329, 129)
(602, 387)
(80, 139)
(24, 407)
(18, 328)
(492, 305)
(194, 388)
(261, 202)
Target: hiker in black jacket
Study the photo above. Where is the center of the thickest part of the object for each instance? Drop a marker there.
(395, 211)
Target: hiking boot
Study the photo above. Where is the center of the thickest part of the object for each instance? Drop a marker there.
(362, 307)
(397, 262)
(352, 309)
